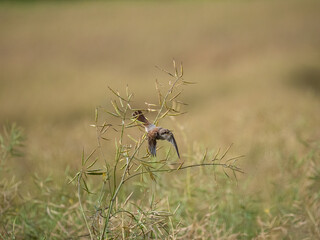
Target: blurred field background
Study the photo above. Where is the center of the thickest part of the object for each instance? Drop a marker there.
(257, 68)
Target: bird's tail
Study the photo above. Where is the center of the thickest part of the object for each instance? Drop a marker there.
(141, 118)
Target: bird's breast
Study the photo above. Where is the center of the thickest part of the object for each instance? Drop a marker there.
(153, 133)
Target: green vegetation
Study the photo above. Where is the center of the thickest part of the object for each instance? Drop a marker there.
(256, 65)
(205, 203)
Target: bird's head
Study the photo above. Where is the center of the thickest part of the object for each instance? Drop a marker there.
(165, 134)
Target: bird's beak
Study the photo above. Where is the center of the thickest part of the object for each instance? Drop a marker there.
(174, 143)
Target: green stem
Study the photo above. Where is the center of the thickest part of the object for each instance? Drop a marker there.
(81, 207)
(107, 165)
(119, 149)
(165, 99)
(118, 189)
(232, 167)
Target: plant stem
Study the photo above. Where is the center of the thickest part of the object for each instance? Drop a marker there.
(123, 180)
(81, 207)
(189, 166)
(115, 193)
(165, 98)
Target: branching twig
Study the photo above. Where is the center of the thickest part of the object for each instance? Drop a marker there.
(232, 167)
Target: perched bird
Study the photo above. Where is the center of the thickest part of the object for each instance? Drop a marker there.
(155, 133)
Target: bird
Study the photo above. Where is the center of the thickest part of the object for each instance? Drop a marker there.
(155, 133)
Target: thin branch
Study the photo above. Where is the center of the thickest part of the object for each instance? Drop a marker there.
(81, 207)
(119, 187)
(232, 167)
(164, 101)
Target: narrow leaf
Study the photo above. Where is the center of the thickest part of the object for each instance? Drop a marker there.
(159, 92)
(96, 115)
(90, 156)
(176, 114)
(132, 138)
(116, 108)
(225, 153)
(127, 90)
(165, 114)
(71, 180)
(120, 100)
(216, 156)
(96, 173)
(186, 82)
(115, 93)
(82, 157)
(92, 163)
(85, 186)
(204, 156)
(175, 96)
(112, 114)
(175, 68)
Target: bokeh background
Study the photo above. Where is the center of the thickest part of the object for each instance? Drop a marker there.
(256, 64)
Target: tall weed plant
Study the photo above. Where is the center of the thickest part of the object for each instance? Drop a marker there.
(115, 215)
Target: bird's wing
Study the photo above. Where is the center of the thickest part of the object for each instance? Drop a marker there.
(174, 143)
(152, 144)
